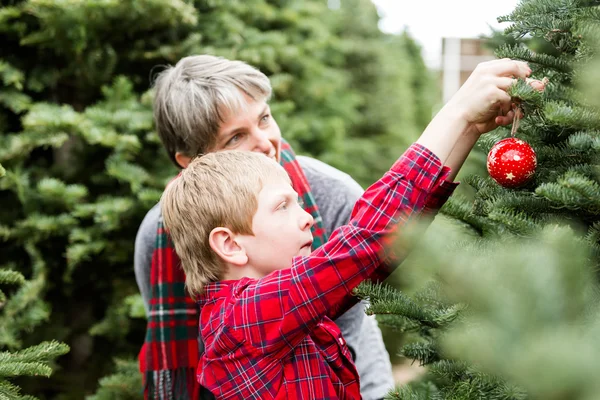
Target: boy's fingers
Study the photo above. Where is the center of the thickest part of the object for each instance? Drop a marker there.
(504, 82)
(504, 120)
(506, 108)
(502, 100)
(537, 85)
(508, 68)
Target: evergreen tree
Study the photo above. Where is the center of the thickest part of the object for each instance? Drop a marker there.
(22, 311)
(525, 323)
(395, 93)
(84, 164)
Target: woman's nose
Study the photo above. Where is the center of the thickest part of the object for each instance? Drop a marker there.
(263, 143)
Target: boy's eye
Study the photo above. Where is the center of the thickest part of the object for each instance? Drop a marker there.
(283, 206)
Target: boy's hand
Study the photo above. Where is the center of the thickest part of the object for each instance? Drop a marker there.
(482, 100)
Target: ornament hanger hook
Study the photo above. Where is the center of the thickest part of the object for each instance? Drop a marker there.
(516, 119)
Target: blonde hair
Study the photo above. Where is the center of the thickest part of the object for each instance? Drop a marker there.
(216, 190)
(194, 97)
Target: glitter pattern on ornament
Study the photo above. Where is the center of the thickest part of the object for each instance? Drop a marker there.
(511, 162)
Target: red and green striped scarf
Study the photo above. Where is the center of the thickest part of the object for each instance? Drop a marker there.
(169, 356)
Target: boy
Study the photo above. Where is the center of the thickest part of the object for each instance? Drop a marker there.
(244, 243)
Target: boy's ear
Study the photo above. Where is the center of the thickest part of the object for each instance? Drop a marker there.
(222, 241)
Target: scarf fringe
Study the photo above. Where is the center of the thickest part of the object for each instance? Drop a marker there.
(172, 385)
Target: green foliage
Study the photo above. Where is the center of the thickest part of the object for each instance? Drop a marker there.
(124, 384)
(84, 165)
(522, 264)
(533, 313)
(33, 360)
(396, 94)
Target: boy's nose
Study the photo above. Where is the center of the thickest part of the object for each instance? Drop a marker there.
(308, 221)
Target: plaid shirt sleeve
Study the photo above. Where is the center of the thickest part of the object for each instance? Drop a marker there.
(275, 313)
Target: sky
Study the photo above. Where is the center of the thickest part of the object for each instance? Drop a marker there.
(428, 21)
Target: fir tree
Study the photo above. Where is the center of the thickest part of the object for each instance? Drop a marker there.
(509, 317)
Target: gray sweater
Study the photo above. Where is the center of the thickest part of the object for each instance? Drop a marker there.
(335, 194)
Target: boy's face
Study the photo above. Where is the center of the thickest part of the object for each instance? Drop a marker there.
(281, 229)
(250, 129)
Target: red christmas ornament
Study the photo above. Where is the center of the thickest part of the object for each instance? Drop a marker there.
(511, 162)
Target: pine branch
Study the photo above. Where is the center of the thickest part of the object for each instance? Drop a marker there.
(387, 300)
(424, 352)
(8, 391)
(149, 197)
(43, 352)
(12, 369)
(516, 222)
(108, 212)
(415, 391)
(125, 171)
(574, 192)
(529, 9)
(37, 227)
(593, 234)
(16, 147)
(520, 201)
(13, 318)
(459, 377)
(523, 91)
(483, 388)
(572, 117)
(449, 370)
(124, 384)
(52, 190)
(585, 141)
(15, 101)
(11, 277)
(561, 64)
(398, 323)
(466, 212)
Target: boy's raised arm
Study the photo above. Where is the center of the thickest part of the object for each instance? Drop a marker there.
(289, 303)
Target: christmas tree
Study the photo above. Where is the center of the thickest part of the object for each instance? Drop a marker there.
(511, 311)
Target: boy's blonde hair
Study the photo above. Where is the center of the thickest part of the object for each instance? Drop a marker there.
(215, 190)
(194, 97)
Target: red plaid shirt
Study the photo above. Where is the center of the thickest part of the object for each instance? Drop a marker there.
(274, 338)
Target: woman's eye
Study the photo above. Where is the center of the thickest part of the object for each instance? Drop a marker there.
(265, 118)
(234, 139)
